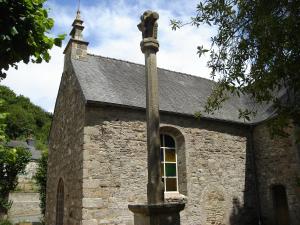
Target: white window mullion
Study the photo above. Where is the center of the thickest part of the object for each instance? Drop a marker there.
(165, 175)
(176, 168)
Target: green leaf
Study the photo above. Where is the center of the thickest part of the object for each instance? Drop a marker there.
(62, 36)
(59, 39)
(29, 26)
(13, 31)
(175, 24)
(201, 50)
(198, 115)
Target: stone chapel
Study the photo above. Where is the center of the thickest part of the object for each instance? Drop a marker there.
(228, 171)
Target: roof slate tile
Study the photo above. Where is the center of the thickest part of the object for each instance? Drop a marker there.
(120, 82)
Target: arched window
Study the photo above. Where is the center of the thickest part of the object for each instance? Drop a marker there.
(173, 142)
(281, 209)
(168, 157)
(60, 203)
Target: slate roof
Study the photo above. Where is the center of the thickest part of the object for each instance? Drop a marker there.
(35, 154)
(112, 81)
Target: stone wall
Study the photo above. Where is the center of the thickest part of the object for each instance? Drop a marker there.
(219, 168)
(277, 164)
(26, 203)
(65, 151)
(25, 207)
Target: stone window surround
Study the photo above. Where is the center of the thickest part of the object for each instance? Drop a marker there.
(177, 135)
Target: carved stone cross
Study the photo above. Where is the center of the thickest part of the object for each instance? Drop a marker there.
(156, 211)
(149, 46)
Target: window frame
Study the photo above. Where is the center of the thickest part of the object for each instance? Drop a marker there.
(164, 162)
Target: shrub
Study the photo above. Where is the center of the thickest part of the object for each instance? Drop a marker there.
(41, 179)
(5, 222)
(13, 161)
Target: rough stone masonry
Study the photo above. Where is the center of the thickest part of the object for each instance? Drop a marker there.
(227, 168)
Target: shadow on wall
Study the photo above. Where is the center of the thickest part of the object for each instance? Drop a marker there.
(247, 212)
(239, 213)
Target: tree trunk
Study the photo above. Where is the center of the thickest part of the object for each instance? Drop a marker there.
(3, 209)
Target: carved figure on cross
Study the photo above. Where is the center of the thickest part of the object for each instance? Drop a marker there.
(148, 25)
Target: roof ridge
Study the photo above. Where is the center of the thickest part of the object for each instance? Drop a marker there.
(138, 64)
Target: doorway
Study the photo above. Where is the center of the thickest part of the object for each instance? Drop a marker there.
(280, 204)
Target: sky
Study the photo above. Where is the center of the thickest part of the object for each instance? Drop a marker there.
(111, 30)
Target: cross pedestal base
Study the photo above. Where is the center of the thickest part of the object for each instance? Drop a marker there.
(157, 214)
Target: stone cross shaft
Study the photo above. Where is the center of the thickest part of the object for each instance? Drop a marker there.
(149, 46)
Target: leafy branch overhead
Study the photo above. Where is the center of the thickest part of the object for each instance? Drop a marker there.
(24, 33)
(255, 52)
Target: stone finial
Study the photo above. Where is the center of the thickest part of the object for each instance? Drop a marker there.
(76, 32)
(78, 15)
(77, 47)
(148, 27)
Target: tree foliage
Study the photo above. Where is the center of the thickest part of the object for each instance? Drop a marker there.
(23, 118)
(24, 28)
(41, 179)
(19, 118)
(255, 52)
(13, 161)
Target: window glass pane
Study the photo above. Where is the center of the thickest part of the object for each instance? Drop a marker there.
(168, 162)
(170, 169)
(170, 155)
(169, 141)
(171, 184)
(161, 155)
